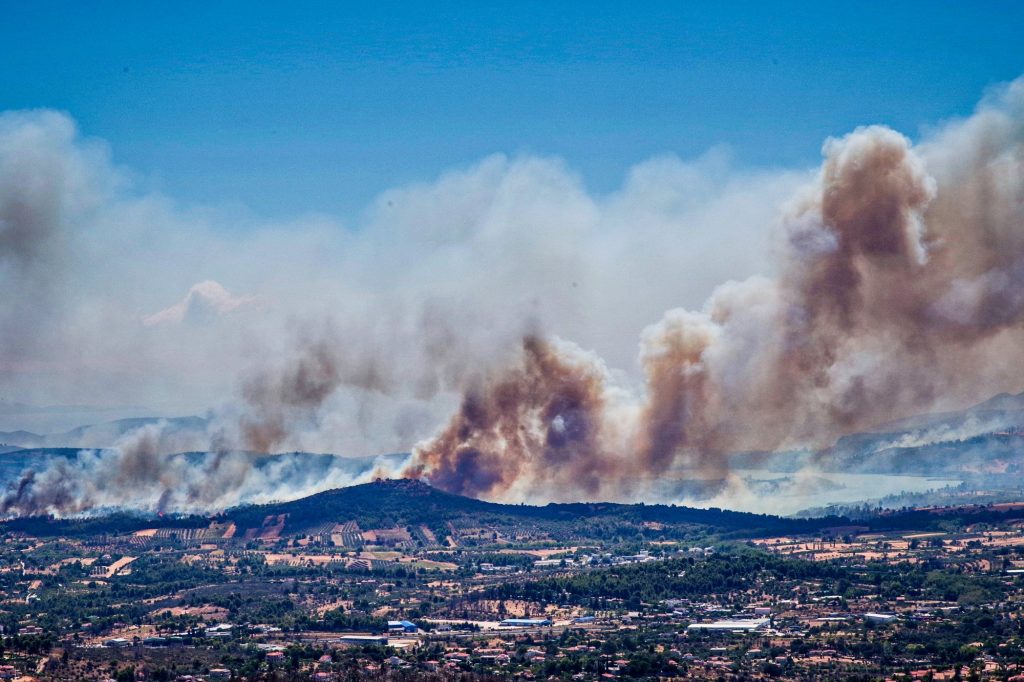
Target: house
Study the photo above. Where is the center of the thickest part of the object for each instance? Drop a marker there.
(524, 622)
(220, 631)
(363, 639)
(552, 563)
(402, 626)
(745, 625)
(880, 618)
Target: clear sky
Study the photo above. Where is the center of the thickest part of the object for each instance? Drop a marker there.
(318, 106)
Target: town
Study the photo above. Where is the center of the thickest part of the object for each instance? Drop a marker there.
(500, 591)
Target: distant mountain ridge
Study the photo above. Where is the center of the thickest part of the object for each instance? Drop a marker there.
(100, 435)
(1002, 407)
(43, 419)
(987, 438)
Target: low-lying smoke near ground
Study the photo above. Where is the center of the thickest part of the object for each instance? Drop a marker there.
(137, 472)
(896, 288)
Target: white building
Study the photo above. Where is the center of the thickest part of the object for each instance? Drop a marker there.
(744, 625)
(879, 617)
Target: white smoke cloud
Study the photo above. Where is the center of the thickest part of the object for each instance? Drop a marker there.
(137, 473)
(368, 331)
(208, 294)
(457, 267)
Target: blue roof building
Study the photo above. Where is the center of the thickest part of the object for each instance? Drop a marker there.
(402, 625)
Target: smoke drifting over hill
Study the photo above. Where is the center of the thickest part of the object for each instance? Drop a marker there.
(138, 472)
(898, 288)
(901, 283)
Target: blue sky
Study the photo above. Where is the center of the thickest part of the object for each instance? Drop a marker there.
(307, 106)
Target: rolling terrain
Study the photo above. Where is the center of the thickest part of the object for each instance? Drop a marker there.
(406, 503)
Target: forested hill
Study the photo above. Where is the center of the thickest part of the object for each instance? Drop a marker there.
(390, 503)
(407, 501)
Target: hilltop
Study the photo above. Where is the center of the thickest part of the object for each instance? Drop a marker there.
(411, 501)
(407, 502)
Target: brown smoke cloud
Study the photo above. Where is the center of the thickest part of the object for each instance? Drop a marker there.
(237, 459)
(901, 289)
(544, 418)
(276, 400)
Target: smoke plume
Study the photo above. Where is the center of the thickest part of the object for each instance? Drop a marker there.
(138, 472)
(900, 286)
(546, 418)
(44, 189)
(896, 288)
